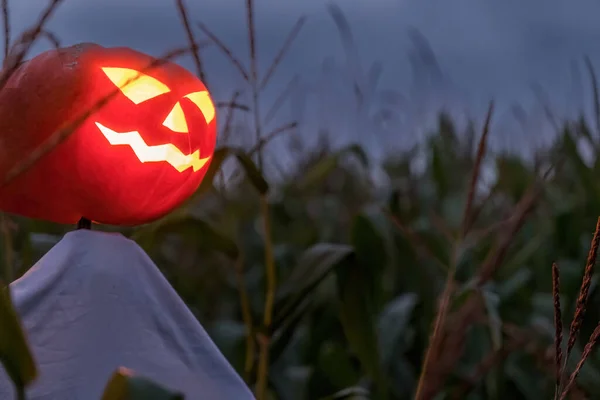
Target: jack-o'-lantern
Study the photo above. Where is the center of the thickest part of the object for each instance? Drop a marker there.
(131, 161)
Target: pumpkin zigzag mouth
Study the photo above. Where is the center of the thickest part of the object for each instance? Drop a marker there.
(162, 153)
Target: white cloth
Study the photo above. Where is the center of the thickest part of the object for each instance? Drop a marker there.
(96, 302)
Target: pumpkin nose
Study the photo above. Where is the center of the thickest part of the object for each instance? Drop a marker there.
(176, 121)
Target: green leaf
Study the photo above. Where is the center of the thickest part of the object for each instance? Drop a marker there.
(356, 314)
(393, 324)
(219, 157)
(583, 173)
(351, 393)
(492, 302)
(517, 281)
(254, 175)
(124, 385)
(522, 379)
(284, 332)
(15, 355)
(335, 363)
(295, 295)
(439, 172)
(514, 177)
(203, 235)
(371, 252)
(313, 267)
(319, 171)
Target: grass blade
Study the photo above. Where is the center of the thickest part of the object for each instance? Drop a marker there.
(15, 355)
(125, 385)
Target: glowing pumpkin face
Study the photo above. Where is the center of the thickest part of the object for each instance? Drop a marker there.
(140, 88)
(132, 161)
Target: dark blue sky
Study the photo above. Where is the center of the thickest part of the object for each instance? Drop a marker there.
(485, 49)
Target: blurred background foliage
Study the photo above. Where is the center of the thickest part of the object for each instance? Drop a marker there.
(363, 249)
(360, 267)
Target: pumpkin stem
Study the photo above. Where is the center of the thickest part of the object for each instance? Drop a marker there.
(84, 223)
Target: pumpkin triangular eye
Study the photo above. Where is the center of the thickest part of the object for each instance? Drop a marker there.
(204, 103)
(175, 121)
(136, 86)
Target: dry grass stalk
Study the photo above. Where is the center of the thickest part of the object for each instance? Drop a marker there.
(223, 136)
(580, 307)
(287, 44)
(544, 356)
(454, 334)
(226, 131)
(280, 99)
(183, 13)
(16, 54)
(441, 226)
(452, 340)
(233, 59)
(270, 136)
(478, 209)
(252, 39)
(437, 336)
(558, 335)
(481, 150)
(485, 366)
(232, 104)
(254, 79)
(477, 235)
(51, 37)
(6, 24)
(514, 224)
(416, 242)
(586, 353)
(579, 314)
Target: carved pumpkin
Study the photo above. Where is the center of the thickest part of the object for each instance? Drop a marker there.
(133, 160)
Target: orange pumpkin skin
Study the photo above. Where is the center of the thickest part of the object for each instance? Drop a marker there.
(132, 161)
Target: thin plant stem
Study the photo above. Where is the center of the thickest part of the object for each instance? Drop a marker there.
(20, 393)
(236, 62)
(558, 334)
(254, 83)
(481, 150)
(25, 42)
(263, 367)
(264, 338)
(284, 48)
(195, 51)
(257, 123)
(584, 356)
(436, 334)
(582, 298)
(246, 317)
(270, 263)
(258, 147)
(8, 248)
(6, 23)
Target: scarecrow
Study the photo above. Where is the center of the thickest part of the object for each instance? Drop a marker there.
(138, 135)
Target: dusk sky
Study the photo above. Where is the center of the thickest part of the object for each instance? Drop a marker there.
(486, 48)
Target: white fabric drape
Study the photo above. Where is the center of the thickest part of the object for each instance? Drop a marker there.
(96, 302)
